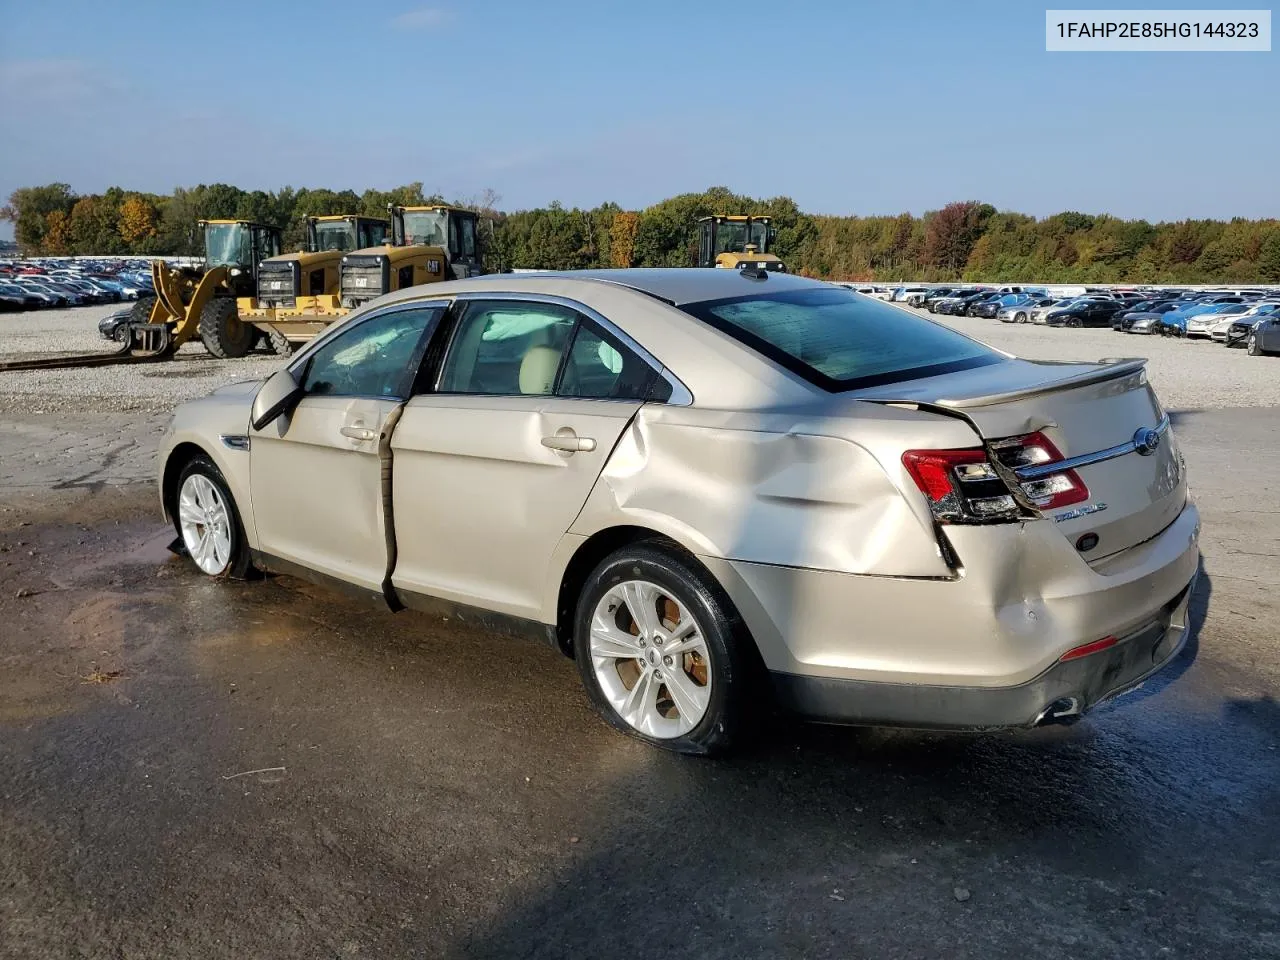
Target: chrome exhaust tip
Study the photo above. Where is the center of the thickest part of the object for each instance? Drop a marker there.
(1063, 710)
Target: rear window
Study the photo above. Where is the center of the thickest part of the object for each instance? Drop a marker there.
(840, 341)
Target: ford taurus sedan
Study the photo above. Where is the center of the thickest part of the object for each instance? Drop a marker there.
(706, 486)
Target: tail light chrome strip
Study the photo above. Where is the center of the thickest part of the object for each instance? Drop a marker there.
(1087, 459)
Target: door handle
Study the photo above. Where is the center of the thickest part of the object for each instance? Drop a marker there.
(358, 431)
(570, 443)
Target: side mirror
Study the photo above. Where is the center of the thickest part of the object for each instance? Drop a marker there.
(277, 396)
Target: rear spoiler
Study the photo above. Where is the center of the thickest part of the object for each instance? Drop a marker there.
(1108, 369)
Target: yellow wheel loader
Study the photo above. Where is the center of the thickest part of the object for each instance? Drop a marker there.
(428, 244)
(190, 302)
(737, 243)
(296, 295)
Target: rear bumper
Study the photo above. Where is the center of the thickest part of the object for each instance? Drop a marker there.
(1064, 690)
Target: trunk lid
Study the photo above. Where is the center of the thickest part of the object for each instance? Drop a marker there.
(1085, 409)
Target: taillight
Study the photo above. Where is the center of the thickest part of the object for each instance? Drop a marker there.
(962, 486)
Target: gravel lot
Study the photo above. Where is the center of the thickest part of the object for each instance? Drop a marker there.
(1188, 374)
(151, 387)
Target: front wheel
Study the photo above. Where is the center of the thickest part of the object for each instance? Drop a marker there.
(661, 651)
(224, 334)
(208, 522)
(1019, 317)
(1075, 322)
(1252, 345)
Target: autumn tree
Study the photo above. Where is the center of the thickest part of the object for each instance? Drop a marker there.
(622, 238)
(952, 233)
(137, 222)
(56, 239)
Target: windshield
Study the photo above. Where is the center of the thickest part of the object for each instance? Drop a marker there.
(426, 228)
(227, 245)
(335, 235)
(731, 236)
(840, 341)
(760, 235)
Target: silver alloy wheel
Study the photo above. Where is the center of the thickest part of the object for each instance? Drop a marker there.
(205, 522)
(651, 659)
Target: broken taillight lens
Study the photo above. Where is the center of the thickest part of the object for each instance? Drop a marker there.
(1050, 490)
(962, 486)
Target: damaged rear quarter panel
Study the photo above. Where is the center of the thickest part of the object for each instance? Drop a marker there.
(786, 488)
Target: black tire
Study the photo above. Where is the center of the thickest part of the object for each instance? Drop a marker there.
(121, 332)
(735, 668)
(140, 312)
(1251, 345)
(240, 566)
(1019, 317)
(1075, 322)
(278, 343)
(223, 334)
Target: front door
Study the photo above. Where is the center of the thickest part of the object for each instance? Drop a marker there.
(316, 473)
(492, 468)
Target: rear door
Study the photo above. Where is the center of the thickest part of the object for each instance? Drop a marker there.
(493, 466)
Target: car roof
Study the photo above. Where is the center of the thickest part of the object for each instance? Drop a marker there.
(675, 285)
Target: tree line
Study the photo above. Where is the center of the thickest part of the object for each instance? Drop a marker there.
(963, 240)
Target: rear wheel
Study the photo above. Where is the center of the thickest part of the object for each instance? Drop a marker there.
(278, 342)
(224, 335)
(661, 652)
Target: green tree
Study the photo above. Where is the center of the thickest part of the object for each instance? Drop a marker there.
(29, 209)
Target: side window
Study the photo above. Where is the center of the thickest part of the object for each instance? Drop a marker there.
(454, 246)
(600, 368)
(468, 237)
(376, 358)
(507, 347)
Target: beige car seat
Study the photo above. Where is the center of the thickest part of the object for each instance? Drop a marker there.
(538, 370)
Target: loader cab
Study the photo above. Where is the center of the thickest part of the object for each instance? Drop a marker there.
(428, 244)
(342, 234)
(239, 245)
(737, 242)
(439, 225)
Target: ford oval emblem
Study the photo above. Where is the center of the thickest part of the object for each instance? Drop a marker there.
(1146, 440)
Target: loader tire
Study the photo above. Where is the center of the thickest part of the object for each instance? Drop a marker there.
(140, 312)
(278, 343)
(223, 334)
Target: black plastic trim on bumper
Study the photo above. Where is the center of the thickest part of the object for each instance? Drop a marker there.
(1089, 681)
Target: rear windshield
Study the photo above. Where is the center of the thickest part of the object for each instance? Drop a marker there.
(839, 340)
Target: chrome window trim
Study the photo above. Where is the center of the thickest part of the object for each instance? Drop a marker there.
(1086, 459)
(681, 396)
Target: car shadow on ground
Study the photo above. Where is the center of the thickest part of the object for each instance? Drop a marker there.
(831, 841)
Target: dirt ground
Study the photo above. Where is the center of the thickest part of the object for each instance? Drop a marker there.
(264, 769)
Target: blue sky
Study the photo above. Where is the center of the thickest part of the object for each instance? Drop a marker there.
(848, 107)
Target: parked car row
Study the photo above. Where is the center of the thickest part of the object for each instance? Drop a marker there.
(33, 284)
(1245, 317)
